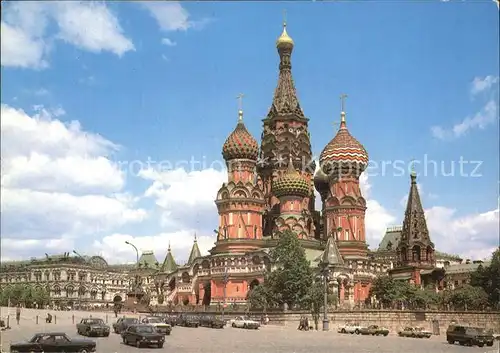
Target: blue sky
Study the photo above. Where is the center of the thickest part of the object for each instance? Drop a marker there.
(413, 72)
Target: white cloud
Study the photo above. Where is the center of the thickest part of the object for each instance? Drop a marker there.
(377, 218)
(170, 16)
(91, 26)
(88, 25)
(482, 119)
(168, 42)
(472, 236)
(113, 247)
(57, 183)
(483, 84)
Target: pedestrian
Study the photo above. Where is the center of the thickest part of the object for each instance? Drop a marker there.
(18, 313)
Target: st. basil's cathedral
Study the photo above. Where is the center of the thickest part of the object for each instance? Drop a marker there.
(271, 188)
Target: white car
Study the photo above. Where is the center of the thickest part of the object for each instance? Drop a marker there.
(241, 322)
(158, 323)
(350, 328)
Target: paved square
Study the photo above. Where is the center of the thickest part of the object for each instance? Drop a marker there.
(268, 339)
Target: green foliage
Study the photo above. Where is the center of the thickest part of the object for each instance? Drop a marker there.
(259, 297)
(292, 280)
(466, 297)
(488, 278)
(26, 295)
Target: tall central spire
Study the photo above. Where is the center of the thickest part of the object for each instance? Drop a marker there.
(285, 101)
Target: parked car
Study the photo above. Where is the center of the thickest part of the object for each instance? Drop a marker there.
(241, 322)
(171, 319)
(374, 330)
(350, 328)
(469, 336)
(211, 321)
(53, 342)
(123, 323)
(415, 332)
(92, 327)
(188, 320)
(158, 323)
(142, 335)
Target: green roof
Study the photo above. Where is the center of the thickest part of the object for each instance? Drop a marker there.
(331, 256)
(465, 268)
(148, 260)
(195, 252)
(169, 264)
(391, 239)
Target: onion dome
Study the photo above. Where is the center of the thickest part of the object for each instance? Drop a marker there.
(284, 41)
(291, 183)
(240, 144)
(321, 181)
(343, 153)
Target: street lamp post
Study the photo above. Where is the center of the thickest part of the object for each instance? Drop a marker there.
(325, 300)
(225, 279)
(136, 262)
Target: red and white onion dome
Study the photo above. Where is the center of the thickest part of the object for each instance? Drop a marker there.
(343, 154)
(240, 144)
(291, 183)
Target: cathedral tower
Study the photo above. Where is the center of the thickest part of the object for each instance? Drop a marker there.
(343, 160)
(240, 201)
(285, 136)
(415, 247)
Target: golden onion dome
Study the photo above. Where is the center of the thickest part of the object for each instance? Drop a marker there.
(291, 183)
(284, 41)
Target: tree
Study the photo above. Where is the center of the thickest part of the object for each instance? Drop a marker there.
(488, 278)
(467, 297)
(292, 279)
(259, 297)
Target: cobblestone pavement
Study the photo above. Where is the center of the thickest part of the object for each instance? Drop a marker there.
(268, 339)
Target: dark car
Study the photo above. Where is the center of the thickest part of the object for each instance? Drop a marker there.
(123, 323)
(92, 327)
(470, 336)
(53, 342)
(211, 321)
(143, 335)
(188, 320)
(171, 319)
(374, 330)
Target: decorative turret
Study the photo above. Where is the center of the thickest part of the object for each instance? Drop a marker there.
(169, 264)
(240, 144)
(344, 154)
(148, 260)
(284, 42)
(291, 183)
(343, 160)
(331, 255)
(415, 247)
(195, 251)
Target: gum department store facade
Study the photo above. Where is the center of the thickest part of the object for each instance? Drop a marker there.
(270, 189)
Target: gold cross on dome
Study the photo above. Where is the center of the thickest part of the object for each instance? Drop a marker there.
(284, 17)
(240, 101)
(343, 96)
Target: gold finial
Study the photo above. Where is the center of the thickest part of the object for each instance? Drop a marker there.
(413, 173)
(240, 106)
(284, 41)
(343, 96)
(195, 240)
(169, 246)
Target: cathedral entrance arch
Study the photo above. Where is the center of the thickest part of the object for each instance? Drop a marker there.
(254, 284)
(207, 295)
(117, 298)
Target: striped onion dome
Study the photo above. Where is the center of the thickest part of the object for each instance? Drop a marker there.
(240, 144)
(291, 183)
(343, 152)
